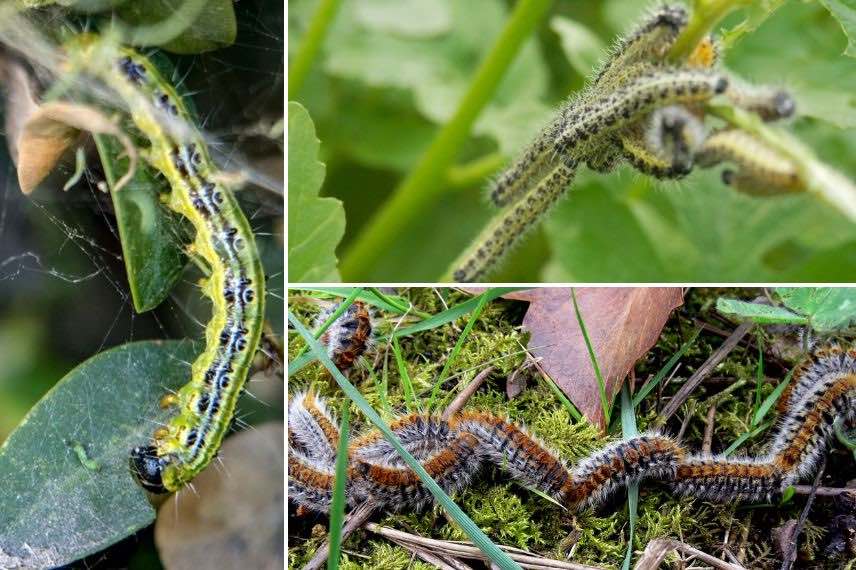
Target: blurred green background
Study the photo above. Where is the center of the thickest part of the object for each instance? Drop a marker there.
(391, 71)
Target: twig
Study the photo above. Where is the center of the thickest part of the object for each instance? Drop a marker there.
(658, 549)
(686, 421)
(707, 442)
(703, 371)
(791, 554)
(467, 550)
(820, 491)
(355, 520)
(462, 398)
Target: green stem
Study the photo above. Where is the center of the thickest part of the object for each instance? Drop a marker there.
(419, 189)
(705, 15)
(475, 171)
(310, 45)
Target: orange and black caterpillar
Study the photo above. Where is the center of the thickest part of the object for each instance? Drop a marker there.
(349, 336)
(453, 451)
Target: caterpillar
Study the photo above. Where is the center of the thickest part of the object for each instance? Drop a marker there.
(453, 451)
(761, 169)
(349, 336)
(235, 283)
(639, 107)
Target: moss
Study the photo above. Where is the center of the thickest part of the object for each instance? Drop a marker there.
(384, 556)
(511, 514)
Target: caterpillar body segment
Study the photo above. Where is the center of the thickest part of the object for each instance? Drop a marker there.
(499, 237)
(224, 240)
(455, 450)
(761, 170)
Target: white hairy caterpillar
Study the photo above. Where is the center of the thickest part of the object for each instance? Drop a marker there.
(224, 242)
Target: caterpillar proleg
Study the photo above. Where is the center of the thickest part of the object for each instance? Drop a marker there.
(454, 450)
(205, 406)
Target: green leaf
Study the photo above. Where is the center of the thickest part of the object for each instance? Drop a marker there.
(413, 18)
(583, 48)
(213, 25)
(55, 508)
(153, 255)
(845, 12)
(437, 68)
(315, 224)
(827, 308)
(763, 314)
(698, 231)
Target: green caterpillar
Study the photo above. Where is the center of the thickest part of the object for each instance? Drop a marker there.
(206, 404)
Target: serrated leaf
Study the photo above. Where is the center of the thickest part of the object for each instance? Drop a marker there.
(57, 505)
(316, 225)
(826, 308)
(763, 314)
(152, 253)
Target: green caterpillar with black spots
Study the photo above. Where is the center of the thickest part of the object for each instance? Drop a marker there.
(205, 406)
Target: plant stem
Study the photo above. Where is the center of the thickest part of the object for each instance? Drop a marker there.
(475, 171)
(310, 45)
(705, 15)
(425, 181)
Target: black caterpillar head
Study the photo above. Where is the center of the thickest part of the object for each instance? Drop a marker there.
(148, 469)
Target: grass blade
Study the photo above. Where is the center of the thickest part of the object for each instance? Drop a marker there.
(601, 384)
(337, 507)
(651, 384)
(743, 437)
(770, 400)
(482, 301)
(484, 544)
(628, 430)
(390, 303)
(406, 383)
(455, 312)
(759, 374)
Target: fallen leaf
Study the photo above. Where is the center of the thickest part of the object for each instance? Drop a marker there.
(623, 323)
(235, 518)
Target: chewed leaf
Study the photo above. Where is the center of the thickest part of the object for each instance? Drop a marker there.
(825, 308)
(316, 224)
(763, 314)
(845, 12)
(55, 506)
(209, 25)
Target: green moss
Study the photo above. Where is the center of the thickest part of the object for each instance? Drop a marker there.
(384, 556)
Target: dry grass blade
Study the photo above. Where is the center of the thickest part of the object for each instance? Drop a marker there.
(355, 520)
(657, 550)
(449, 548)
(461, 400)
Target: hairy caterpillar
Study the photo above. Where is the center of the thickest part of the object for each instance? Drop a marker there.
(349, 336)
(453, 451)
(639, 107)
(761, 169)
(224, 241)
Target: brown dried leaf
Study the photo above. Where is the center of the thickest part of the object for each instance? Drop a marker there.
(235, 518)
(51, 129)
(623, 323)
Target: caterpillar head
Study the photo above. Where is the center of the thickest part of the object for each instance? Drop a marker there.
(148, 468)
(674, 134)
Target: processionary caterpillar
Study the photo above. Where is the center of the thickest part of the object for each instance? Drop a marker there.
(235, 282)
(453, 451)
